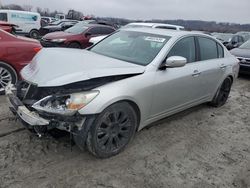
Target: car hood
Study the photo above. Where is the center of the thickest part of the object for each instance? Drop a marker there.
(58, 67)
(58, 35)
(240, 52)
(28, 39)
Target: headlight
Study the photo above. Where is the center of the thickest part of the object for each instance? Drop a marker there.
(65, 104)
(58, 40)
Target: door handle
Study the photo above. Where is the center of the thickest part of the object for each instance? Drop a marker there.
(223, 66)
(196, 73)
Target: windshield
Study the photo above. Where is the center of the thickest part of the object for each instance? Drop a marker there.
(245, 45)
(134, 47)
(77, 29)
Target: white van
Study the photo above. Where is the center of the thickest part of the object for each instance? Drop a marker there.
(28, 23)
(60, 16)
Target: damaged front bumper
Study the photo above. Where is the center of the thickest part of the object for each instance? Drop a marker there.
(18, 108)
(77, 125)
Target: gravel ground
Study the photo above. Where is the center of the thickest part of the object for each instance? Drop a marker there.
(201, 147)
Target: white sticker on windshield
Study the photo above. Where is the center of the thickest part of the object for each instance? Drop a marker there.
(155, 39)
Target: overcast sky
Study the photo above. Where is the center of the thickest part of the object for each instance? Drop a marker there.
(236, 11)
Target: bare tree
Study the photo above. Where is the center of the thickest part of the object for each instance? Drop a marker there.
(12, 7)
(27, 7)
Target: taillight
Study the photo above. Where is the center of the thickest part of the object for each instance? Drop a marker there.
(37, 49)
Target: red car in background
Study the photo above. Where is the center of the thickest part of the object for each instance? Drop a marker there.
(8, 27)
(15, 53)
(77, 36)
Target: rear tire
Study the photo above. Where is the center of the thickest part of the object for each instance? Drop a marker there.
(74, 45)
(7, 75)
(222, 94)
(34, 34)
(112, 130)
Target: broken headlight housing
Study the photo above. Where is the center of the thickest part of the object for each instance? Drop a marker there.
(66, 105)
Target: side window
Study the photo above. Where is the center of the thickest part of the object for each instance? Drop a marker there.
(3, 17)
(208, 48)
(185, 48)
(106, 30)
(220, 51)
(94, 31)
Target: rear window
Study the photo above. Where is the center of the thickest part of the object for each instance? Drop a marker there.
(3, 17)
(106, 30)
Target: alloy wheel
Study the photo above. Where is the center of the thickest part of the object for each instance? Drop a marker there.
(114, 131)
(225, 91)
(5, 78)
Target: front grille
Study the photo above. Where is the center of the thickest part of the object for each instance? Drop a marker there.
(244, 60)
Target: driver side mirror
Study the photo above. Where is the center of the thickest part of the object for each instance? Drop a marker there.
(174, 61)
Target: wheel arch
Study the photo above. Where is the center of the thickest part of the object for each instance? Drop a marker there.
(137, 110)
(131, 102)
(231, 77)
(11, 67)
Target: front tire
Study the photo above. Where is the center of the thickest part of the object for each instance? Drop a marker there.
(222, 95)
(7, 75)
(112, 130)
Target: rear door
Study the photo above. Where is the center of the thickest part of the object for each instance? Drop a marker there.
(212, 68)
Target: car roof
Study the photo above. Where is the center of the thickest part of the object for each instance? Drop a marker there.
(153, 24)
(165, 32)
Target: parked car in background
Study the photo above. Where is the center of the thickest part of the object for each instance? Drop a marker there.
(234, 42)
(223, 37)
(48, 19)
(15, 53)
(230, 40)
(243, 54)
(75, 37)
(59, 25)
(11, 28)
(60, 16)
(94, 40)
(130, 79)
(245, 34)
(28, 23)
(154, 25)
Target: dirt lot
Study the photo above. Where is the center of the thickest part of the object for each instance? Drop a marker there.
(202, 147)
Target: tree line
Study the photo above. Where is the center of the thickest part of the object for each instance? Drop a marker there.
(199, 25)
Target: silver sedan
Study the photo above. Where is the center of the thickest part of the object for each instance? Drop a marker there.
(132, 78)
